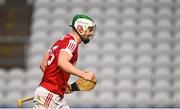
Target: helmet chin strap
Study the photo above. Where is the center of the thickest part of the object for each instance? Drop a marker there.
(85, 41)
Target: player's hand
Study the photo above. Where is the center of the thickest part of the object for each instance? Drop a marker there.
(68, 89)
(88, 76)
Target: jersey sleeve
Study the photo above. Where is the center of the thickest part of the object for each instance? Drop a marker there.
(70, 47)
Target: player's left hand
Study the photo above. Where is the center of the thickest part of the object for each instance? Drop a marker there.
(68, 89)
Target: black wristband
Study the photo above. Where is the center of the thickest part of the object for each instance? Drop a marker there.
(74, 87)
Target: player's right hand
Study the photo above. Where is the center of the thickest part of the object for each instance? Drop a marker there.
(88, 76)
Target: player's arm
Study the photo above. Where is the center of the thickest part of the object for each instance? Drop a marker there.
(44, 61)
(64, 62)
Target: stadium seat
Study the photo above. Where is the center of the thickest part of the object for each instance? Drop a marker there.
(146, 37)
(176, 74)
(15, 73)
(60, 3)
(175, 100)
(34, 73)
(10, 99)
(127, 48)
(176, 61)
(162, 73)
(164, 12)
(129, 13)
(34, 61)
(95, 4)
(58, 25)
(41, 13)
(143, 85)
(90, 49)
(177, 11)
(113, 3)
(148, 3)
(128, 37)
(57, 13)
(163, 61)
(106, 99)
(125, 99)
(108, 60)
(176, 38)
(126, 61)
(145, 49)
(95, 13)
(112, 13)
(42, 4)
(163, 37)
(125, 86)
(111, 24)
(16, 85)
(40, 24)
(176, 86)
(147, 24)
(106, 85)
(176, 49)
(165, 3)
(126, 73)
(130, 3)
(39, 36)
(147, 12)
(161, 99)
(109, 48)
(110, 36)
(32, 84)
(3, 74)
(162, 86)
(3, 86)
(164, 24)
(91, 61)
(129, 24)
(163, 48)
(177, 25)
(144, 61)
(38, 48)
(108, 73)
(90, 97)
(143, 100)
(71, 100)
(144, 73)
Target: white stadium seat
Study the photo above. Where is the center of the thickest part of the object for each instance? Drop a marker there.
(105, 86)
(163, 37)
(161, 99)
(41, 13)
(176, 74)
(128, 37)
(125, 73)
(112, 13)
(90, 97)
(143, 85)
(125, 99)
(163, 60)
(143, 99)
(127, 48)
(42, 3)
(15, 73)
(108, 60)
(129, 24)
(144, 73)
(164, 24)
(165, 12)
(16, 85)
(39, 36)
(125, 86)
(3, 74)
(129, 13)
(108, 73)
(147, 12)
(162, 86)
(175, 100)
(11, 97)
(176, 86)
(40, 24)
(146, 36)
(162, 73)
(145, 49)
(148, 3)
(109, 48)
(130, 3)
(111, 24)
(165, 3)
(106, 99)
(163, 48)
(147, 24)
(126, 61)
(144, 61)
(110, 36)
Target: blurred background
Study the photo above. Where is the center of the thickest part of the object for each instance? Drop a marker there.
(135, 53)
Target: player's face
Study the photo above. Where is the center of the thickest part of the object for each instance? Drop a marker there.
(90, 32)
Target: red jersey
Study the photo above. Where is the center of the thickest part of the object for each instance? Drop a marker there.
(55, 79)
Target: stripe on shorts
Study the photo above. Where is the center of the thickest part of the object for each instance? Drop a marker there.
(48, 100)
